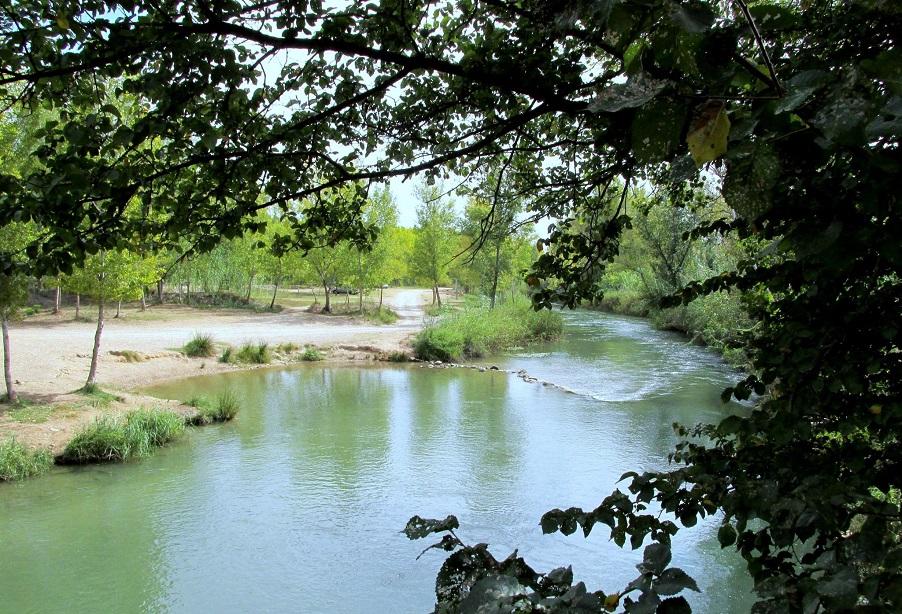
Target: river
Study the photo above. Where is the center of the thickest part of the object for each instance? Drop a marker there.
(297, 504)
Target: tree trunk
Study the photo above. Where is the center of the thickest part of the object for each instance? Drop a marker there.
(95, 354)
(275, 288)
(360, 300)
(380, 298)
(188, 293)
(328, 307)
(313, 292)
(438, 297)
(495, 275)
(143, 300)
(118, 308)
(250, 285)
(160, 291)
(77, 305)
(56, 302)
(11, 394)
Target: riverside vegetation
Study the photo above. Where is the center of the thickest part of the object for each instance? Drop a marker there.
(143, 135)
(475, 331)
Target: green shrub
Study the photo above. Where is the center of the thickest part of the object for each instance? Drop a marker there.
(476, 331)
(227, 356)
(287, 348)
(383, 315)
(251, 353)
(398, 357)
(311, 354)
(105, 439)
(151, 429)
(118, 439)
(439, 342)
(201, 345)
(18, 462)
(225, 408)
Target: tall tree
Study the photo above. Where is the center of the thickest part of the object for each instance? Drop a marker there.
(433, 248)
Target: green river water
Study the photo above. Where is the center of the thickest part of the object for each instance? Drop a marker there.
(296, 506)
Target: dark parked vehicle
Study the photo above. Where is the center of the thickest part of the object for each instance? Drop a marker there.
(342, 290)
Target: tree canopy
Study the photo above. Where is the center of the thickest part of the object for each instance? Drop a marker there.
(791, 108)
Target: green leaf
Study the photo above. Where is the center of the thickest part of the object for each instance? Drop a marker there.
(672, 581)
(656, 130)
(694, 18)
(418, 527)
(749, 184)
(655, 558)
(674, 605)
(638, 90)
(726, 535)
(707, 138)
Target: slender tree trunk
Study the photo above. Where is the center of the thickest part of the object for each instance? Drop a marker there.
(313, 292)
(11, 394)
(188, 293)
(56, 302)
(95, 354)
(118, 308)
(143, 300)
(328, 307)
(160, 291)
(275, 288)
(438, 297)
(495, 274)
(380, 298)
(250, 285)
(77, 305)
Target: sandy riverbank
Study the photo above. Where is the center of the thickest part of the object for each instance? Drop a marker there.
(51, 355)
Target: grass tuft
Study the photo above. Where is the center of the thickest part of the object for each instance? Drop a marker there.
(200, 346)
(311, 354)
(287, 348)
(254, 353)
(398, 357)
(224, 409)
(109, 438)
(227, 356)
(25, 411)
(18, 462)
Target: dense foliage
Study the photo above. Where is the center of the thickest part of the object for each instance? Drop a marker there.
(791, 108)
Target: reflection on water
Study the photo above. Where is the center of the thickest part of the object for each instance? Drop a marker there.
(297, 505)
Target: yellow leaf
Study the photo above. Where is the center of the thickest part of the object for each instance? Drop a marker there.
(540, 245)
(62, 22)
(875, 409)
(611, 601)
(707, 137)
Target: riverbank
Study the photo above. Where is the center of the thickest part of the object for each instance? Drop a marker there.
(51, 355)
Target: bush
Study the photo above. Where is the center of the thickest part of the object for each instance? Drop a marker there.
(287, 348)
(311, 354)
(225, 408)
(118, 439)
(476, 331)
(18, 462)
(200, 346)
(257, 354)
(227, 356)
(398, 357)
(383, 315)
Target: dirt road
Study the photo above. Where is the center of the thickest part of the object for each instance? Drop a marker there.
(51, 354)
